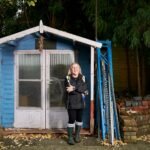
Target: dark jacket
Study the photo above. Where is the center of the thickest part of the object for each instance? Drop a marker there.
(74, 99)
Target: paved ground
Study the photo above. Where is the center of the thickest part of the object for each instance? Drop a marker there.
(49, 142)
(86, 145)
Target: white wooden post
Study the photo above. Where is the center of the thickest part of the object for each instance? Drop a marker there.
(92, 92)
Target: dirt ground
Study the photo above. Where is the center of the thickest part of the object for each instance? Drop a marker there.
(59, 142)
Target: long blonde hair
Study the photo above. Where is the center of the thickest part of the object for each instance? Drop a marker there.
(75, 63)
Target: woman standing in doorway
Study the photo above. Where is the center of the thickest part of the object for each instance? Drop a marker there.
(76, 89)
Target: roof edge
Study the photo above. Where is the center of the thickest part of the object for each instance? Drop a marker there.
(19, 34)
(42, 28)
(73, 37)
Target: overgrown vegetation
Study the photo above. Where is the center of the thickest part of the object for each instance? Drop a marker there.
(125, 22)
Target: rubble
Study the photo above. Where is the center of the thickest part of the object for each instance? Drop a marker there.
(145, 138)
(117, 143)
(134, 117)
(18, 140)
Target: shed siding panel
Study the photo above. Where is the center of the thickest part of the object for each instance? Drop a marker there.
(63, 46)
(27, 43)
(8, 87)
(84, 60)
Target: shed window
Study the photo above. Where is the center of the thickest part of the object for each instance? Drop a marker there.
(59, 64)
(40, 77)
(29, 80)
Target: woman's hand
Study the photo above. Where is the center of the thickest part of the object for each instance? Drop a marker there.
(70, 88)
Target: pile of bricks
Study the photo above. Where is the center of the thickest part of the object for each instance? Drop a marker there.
(134, 117)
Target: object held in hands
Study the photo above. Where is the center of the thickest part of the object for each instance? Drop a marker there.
(70, 88)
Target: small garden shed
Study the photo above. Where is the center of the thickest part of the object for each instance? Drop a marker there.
(33, 64)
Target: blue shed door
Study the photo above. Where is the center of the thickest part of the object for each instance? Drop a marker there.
(40, 88)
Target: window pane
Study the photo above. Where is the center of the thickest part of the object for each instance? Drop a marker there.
(59, 64)
(29, 66)
(57, 93)
(58, 71)
(30, 94)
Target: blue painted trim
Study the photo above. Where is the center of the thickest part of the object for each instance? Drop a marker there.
(100, 94)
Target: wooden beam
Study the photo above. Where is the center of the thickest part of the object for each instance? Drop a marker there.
(41, 27)
(19, 35)
(92, 93)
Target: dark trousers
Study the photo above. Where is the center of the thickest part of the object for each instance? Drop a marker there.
(75, 115)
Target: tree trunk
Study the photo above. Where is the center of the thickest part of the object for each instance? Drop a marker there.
(138, 72)
(128, 70)
(143, 75)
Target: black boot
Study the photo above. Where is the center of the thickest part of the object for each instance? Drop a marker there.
(70, 136)
(77, 134)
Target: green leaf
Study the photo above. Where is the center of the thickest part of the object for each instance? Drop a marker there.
(146, 37)
(31, 3)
